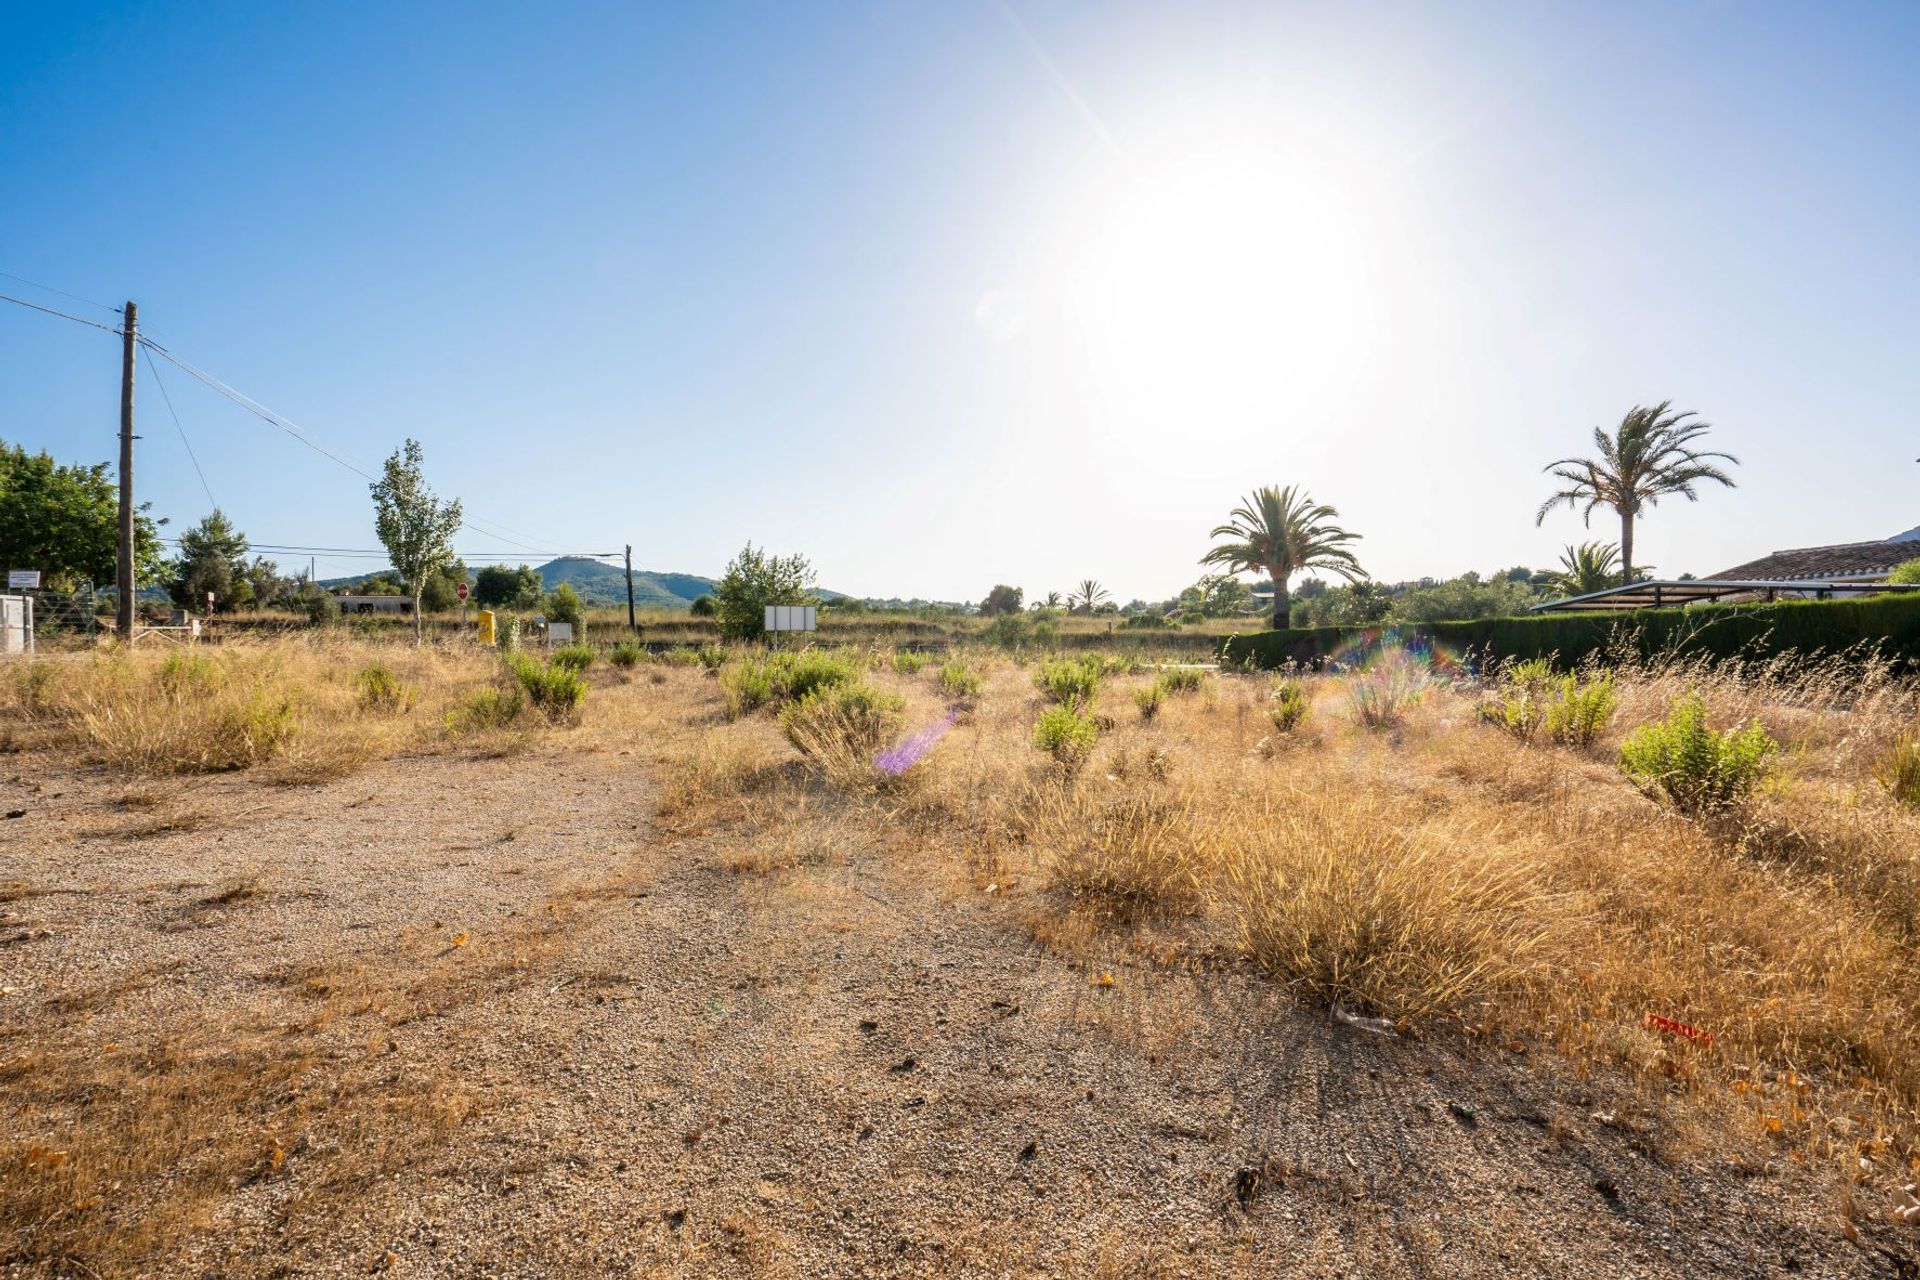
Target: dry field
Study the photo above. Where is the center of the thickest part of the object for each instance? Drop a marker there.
(306, 970)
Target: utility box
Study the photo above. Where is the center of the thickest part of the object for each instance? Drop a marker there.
(16, 624)
(483, 627)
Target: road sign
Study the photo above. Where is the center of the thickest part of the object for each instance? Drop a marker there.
(23, 579)
(461, 591)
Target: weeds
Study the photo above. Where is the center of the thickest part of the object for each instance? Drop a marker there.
(381, 691)
(1070, 682)
(959, 681)
(626, 654)
(1148, 698)
(1287, 704)
(1066, 733)
(1693, 768)
(573, 657)
(1899, 770)
(555, 691)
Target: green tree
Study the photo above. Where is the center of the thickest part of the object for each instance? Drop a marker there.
(564, 605)
(265, 587)
(1589, 567)
(1002, 599)
(498, 587)
(212, 560)
(65, 521)
(755, 580)
(442, 590)
(1281, 532)
(415, 527)
(703, 607)
(1907, 572)
(1088, 596)
(1650, 455)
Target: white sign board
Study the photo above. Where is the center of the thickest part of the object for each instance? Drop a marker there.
(23, 579)
(559, 633)
(791, 617)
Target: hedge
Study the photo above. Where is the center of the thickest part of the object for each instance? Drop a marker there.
(1890, 622)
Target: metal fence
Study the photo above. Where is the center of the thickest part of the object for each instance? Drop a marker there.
(58, 612)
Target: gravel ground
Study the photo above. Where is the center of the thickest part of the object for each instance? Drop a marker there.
(850, 1066)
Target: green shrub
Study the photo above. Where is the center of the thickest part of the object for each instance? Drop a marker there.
(1287, 704)
(1183, 679)
(185, 675)
(746, 686)
(1531, 700)
(711, 656)
(1906, 573)
(1900, 770)
(380, 690)
(1694, 768)
(681, 655)
(960, 681)
(626, 654)
(908, 663)
(1020, 631)
(574, 657)
(487, 709)
(849, 721)
(556, 691)
(1070, 681)
(1148, 698)
(703, 607)
(1577, 710)
(1148, 622)
(1066, 733)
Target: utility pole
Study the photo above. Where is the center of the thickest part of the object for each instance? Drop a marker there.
(633, 623)
(123, 580)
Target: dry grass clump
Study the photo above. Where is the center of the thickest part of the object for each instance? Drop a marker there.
(1126, 851)
(1332, 897)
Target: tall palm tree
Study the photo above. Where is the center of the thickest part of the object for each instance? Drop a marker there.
(1649, 456)
(1589, 567)
(1088, 595)
(1280, 532)
(1049, 601)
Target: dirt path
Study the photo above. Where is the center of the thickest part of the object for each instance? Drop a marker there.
(840, 1067)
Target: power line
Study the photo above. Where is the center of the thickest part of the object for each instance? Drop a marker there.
(7, 297)
(62, 292)
(154, 369)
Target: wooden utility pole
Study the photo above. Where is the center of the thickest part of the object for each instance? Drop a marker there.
(123, 580)
(633, 623)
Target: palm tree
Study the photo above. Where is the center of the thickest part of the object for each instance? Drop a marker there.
(1050, 601)
(1649, 455)
(1088, 595)
(1280, 532)
(1589, 567)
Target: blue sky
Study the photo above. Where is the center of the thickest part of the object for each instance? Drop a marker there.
(949, 294)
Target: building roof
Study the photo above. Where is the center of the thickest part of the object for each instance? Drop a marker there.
(1844, 560)
(1685, 591)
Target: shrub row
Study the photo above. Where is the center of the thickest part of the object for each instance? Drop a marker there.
(1716, 631)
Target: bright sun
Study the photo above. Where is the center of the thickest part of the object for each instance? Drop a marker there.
(1222, 285)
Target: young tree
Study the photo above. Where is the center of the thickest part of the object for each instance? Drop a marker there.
(415, 527)
(703, 607)
(497, 586)
(755, 580)
(65, 522)
(1002, 599)
(1280, 532)
(1649, 456)
(212, 560)
(564, 605)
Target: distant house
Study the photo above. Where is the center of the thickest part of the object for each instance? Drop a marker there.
(374, 604)
(1843, 562)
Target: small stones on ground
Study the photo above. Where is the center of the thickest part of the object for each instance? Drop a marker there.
(1607, 1187)
(1465, 1114)
(869, 1026)
(903, 1066)
(1029, 1151)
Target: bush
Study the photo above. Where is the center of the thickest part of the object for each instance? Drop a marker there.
(1900, 770)
(564, 605)
(556, 691)
(380, 690)
(845, 722)
(711, 656)
(753, 581)
(1694, 768)
(703, 607)
(960, 681)
(1531, 699)
(1579, 709)
(1288, 704)
(574, 657)
(1019, 631)
(1383, 694)
(1131, 856)
(908, 663)
(681, 655)
(319, 606)
(746, 687)
(1148, 698)
(626, 654)
(1148, 622)
(1070, 681)
(1067, 734)
(487, 709)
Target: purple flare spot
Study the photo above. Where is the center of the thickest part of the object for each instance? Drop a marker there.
(910, 750)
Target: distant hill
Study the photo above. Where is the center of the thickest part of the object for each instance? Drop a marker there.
(606, 584)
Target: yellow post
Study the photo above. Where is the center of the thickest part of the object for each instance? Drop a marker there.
(483, 620)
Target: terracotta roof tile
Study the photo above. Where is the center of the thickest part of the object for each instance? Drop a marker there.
(1824, 562)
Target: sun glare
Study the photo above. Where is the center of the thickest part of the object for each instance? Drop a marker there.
(1224, 284)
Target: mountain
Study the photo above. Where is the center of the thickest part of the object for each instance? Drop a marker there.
(606, 584)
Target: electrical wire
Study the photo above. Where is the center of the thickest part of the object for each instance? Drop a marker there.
(47, 288)
(7, 297)
(154, 369)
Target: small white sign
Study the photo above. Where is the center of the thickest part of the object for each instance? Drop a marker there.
(28, 579)
(791, 617)
(559, 633)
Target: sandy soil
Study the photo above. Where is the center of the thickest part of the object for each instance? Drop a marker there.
(860, 1064)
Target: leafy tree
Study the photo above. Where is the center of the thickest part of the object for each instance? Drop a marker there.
(415, 527)
(1217, 595)
(1906, 572)
(65, 521)
(1589, 567)
(442, 590)
(1280, 532)
(1050, 602)
(755, 580)
(1088, 596)
(703, 607)
(563, 605)
(265, 587)
(1649, 456)
(1002, 599)
(498, 587)
(1357, 605)
(213, 559)
(1457, 599)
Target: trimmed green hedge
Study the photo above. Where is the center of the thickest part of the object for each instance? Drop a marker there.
(1721, 630)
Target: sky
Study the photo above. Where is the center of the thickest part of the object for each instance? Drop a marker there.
(944, 294)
